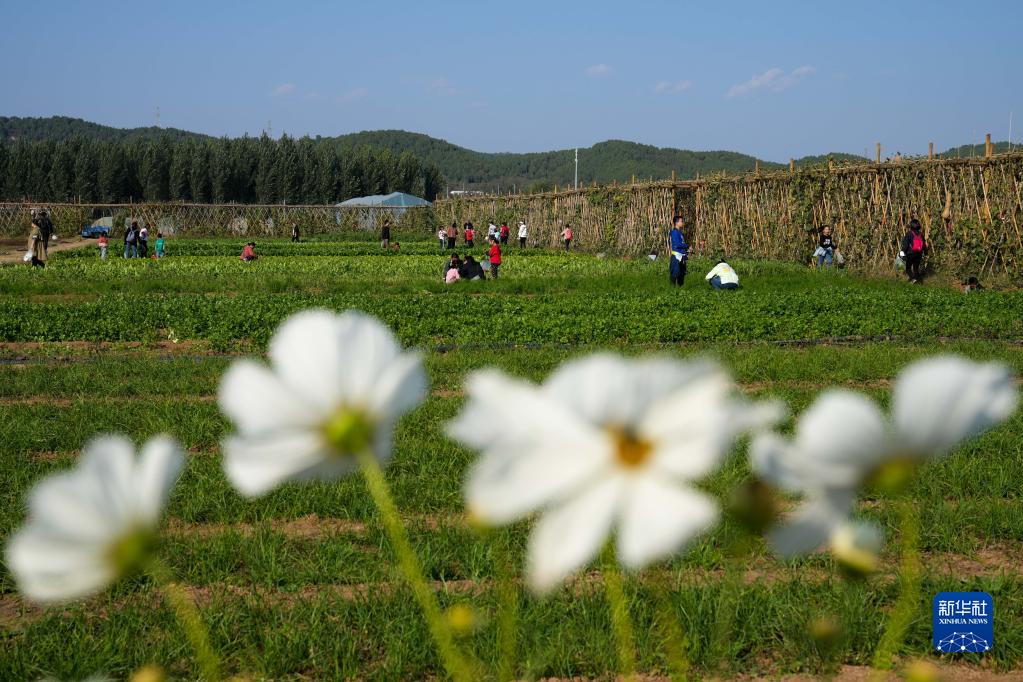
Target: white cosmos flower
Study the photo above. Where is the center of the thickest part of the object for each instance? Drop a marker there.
(606, 444)
(92, 525)
(337, 384)
(843, 438)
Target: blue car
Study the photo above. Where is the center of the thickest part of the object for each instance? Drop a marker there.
(94, 231)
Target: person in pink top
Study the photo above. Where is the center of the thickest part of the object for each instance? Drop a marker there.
(566, 236)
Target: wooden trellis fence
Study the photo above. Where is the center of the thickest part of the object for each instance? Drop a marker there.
(213, 219)
(971, 210)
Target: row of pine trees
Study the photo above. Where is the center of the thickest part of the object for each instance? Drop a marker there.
(242, 170)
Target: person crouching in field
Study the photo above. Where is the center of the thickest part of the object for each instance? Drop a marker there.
(723, 276)
(826, 246)
(37, 245)
(679, 252)
(161, 245)
(248, 253)
(913, 248)
(104, 243)
(471, 270)
(453, 264)
(494, 255)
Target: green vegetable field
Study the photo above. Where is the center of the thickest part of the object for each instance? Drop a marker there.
(302, 583)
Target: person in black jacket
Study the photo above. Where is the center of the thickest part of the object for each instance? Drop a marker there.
(471, 269)
(913, 247)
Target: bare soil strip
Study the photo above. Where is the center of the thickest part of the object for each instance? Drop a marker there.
(13, 253)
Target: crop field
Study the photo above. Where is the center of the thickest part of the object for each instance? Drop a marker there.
(302, 583)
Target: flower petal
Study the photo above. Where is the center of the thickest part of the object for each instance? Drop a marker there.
(691, 427)
(658, 518)
(399, 388)
(541, 453)
(258, 402)
(255, 466)
(90, 501)
(566, 538)
(330, 359)
(158, 469)
(840, 439)
(940, 401)
(49, 569)
(609, 390)
(812, 523)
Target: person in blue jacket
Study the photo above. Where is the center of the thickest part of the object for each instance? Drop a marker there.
(679, 252)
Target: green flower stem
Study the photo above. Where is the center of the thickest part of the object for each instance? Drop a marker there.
(188, 616)
(909, 588)
(620, 621)
(507, 612)
(443, 637)
(727, 603)
(676, 646)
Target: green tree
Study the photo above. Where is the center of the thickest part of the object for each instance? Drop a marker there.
(86, 169)
(180, 171)
(62, 172)
(199, 172)
(113, 184)
(289, 174)
(267, 179)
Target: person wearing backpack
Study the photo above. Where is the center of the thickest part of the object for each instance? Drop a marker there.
(131, 241)
(504, 233)
(566, 236)
(913, 247)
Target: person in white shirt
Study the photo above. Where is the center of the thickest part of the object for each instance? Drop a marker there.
(491, 230)
(523, 233)
(722, 276)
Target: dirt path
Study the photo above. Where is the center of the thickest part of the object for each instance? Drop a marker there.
(12, 250)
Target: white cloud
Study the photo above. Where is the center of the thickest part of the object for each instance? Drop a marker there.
(597, 70)
(353, 94)
(669, 87)
(774, 80)
(283, 89)
(442, 86)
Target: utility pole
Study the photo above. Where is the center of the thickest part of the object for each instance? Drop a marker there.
(577, 167)
(1010, 131)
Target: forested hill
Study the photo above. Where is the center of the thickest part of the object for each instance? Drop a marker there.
(60, 128)
(467, 169)
(603, 162)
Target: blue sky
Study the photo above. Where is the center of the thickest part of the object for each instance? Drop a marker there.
(774, 79)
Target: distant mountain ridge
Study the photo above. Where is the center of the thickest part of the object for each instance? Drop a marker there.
(464, 168)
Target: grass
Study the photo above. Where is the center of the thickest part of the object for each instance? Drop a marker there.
(301, 585)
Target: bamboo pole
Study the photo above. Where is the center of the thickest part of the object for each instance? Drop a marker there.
(792, 165)
(930, 151)
(988, 147)
(878, 159)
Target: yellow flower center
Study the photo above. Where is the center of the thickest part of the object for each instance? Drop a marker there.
(128, 555)
(630, 451)
(350, 431)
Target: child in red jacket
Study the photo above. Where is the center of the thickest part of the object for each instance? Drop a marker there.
(495, 257)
